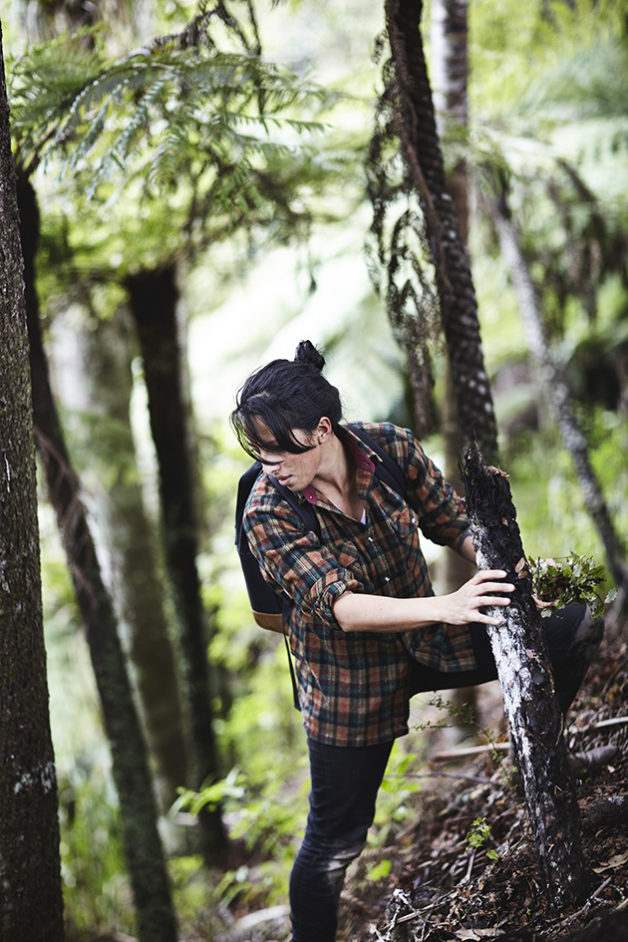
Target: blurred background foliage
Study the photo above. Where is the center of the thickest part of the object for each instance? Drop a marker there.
(548, 87)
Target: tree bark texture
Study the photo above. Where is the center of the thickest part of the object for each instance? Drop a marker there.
(31, 904)
(526, 680)
(449, 71)
(91, 372)
(142, 845)
(557, 393)
(424, 162)
(153, 299)
(449, 74)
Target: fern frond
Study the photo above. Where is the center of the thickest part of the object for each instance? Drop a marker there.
(111, 111)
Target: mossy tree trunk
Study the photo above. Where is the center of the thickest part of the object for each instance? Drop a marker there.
(153, 297)
(525, 676)
(31, 904)
(142, 845)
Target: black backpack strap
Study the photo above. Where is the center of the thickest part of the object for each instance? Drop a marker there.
(304, 510)
(249, 563)
(301, 507)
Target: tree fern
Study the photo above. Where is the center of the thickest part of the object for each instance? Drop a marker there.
(78, 107)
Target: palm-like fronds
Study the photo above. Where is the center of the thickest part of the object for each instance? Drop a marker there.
(168, 107)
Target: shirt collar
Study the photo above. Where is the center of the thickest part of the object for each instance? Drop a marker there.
(363, 457)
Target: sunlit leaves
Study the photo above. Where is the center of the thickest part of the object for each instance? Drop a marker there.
(182, 105)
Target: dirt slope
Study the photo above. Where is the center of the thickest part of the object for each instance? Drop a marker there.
(444, 889)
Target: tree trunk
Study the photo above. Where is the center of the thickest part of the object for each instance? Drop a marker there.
(420, 147)
(449, 72)
(31, 904)
(142, 845)
(557, 393)
(91, 367)
(526, 680)
(153, 299)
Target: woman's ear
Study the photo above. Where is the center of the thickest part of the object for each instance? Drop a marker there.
(323, 430)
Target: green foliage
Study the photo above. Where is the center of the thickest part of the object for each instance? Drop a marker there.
(177, 110)
(95, 887)
(516, 48)
(454, 714)
(573, 578)
(380, 871)
(551, 511)
(478, 835)
(198, 133)
(395, 796)
(268, 821)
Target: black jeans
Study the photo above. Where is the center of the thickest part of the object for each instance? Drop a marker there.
(345, 780)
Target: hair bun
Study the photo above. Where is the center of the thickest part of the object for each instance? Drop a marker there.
(306, 352)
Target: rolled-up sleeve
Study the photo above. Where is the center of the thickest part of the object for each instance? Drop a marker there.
(294, 561)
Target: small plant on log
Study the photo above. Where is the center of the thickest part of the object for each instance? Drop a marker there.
(572, 578)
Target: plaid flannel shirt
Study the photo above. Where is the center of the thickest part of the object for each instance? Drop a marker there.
(353, 685)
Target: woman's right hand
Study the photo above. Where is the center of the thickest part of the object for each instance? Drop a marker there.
(463, 605)
(362, 612)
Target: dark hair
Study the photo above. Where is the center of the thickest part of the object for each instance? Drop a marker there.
(285, 395)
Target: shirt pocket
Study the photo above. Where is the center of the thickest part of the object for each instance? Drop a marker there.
(347, 555)
(405, 523)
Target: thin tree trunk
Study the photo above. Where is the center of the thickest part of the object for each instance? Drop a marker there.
(419, 397)
(557, 392)
(142, 845)
(526, 680)
(31, 904)
(91, 365)
(153, 299)
(449, 72)
(424, 163)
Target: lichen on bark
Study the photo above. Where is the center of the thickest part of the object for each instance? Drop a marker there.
(524, 670)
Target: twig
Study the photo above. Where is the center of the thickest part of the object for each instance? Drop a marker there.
(252, 920)
(505, 746)
(615, 721)
(424, 909)
(601, 887)
(467, 875)
(466, 778)
(469, 751)
(425, 922)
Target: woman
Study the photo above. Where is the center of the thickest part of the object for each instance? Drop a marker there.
(365, 628)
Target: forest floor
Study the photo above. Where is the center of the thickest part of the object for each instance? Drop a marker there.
(444, 887)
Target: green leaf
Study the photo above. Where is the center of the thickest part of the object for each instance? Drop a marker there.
(380, 871)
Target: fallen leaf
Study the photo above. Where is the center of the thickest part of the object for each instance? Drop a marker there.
(617, 861)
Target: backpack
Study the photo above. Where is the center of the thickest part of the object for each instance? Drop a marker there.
(271, 607)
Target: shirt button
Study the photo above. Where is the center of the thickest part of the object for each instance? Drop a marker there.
(386, 578)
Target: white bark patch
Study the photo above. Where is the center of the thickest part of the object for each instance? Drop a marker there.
(4, 585)
(44, 777)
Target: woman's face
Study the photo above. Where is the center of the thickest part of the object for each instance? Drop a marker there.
(295, 471)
